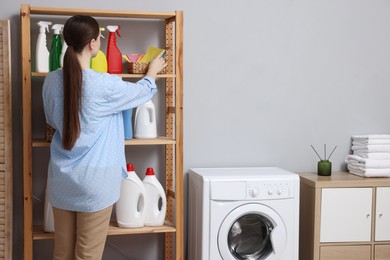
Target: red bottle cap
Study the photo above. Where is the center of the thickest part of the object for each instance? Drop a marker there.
(130, 167)
(149, 171)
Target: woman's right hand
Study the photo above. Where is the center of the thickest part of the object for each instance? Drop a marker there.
(156, 65)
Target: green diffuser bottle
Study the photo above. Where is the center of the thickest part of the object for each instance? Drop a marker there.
(56, 48)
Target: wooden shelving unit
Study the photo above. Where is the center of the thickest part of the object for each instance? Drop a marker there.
(173, 139)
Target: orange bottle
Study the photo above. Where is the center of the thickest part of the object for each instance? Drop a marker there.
(114, 56)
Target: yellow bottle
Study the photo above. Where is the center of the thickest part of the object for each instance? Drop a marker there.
(99, 62)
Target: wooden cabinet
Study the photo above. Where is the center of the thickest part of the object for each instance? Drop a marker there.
(172, 140)
(343, 217)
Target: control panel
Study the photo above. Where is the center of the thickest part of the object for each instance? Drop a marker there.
(269, 190)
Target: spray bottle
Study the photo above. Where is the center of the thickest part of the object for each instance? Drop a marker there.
(64, 47)
(41, 51)
(114, 56)
(56, 48)
(99, 62)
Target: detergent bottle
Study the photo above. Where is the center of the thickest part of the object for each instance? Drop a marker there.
(155, 195)
(99, 62)
(48, 216)
(128, 126)
(56, 48)
(114, 56)
(41, 51)
(130, 208)
(145, 121)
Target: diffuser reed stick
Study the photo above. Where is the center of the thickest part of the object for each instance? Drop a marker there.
(325, 159)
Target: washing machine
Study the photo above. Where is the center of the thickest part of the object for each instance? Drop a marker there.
(243, 213)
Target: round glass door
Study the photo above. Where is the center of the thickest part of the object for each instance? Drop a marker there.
(249, 237)
(252, 232)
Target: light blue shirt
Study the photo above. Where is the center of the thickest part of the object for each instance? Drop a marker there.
(88, 177)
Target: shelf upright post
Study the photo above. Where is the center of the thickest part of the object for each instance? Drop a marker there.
(27, 148)
(179, 136)
(169, 132)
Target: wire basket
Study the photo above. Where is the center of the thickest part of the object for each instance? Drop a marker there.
(140, 68)
(49, 132)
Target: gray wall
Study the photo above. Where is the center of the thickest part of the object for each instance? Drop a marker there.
(263, 80)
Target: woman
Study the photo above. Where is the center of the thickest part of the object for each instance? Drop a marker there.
(87, 160)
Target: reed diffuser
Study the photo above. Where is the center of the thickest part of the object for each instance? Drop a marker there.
(324, 166)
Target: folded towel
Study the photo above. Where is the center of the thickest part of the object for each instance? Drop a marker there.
(376, 148)
(361, 171)
(375, 156)
(371, 141)
(369, 174)
(369, 137)
(359, 161)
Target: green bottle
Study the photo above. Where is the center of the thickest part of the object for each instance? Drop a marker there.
(56, 48)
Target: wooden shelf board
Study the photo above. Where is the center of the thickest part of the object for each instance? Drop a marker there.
(101, 13)
(155, 141)
(113, 230)
(341, 179)
(125, 76)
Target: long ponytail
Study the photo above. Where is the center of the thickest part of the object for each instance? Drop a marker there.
(79, 30)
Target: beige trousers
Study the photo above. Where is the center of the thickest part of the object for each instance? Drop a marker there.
(80, 235)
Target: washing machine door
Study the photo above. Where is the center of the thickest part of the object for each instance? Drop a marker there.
(252, 232)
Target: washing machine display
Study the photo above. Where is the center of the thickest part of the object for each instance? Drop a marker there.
(243, 214)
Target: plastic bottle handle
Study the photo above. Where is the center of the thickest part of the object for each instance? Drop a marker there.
(140, 196)
(163, 206)
(151, 114)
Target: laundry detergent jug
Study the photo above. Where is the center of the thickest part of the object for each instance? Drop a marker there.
(48, 216)
(130, 208)
(128, 126)
(145, 121)
(155, 195)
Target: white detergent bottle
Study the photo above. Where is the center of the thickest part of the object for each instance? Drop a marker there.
(154, 216)
(130, 208)
(41, 51)
(145, 121)
(48, 216)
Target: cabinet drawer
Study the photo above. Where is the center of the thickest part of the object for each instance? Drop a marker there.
(345, 252)
(382, 252)
(346, 215)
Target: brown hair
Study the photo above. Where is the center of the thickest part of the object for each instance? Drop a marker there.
(79, 30)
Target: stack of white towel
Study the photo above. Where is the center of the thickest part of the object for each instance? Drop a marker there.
(371, 156)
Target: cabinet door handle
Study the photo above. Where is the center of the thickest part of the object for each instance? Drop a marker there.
(380, 215)
(368, 215)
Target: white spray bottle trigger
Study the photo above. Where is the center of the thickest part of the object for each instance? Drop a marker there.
(114, 28)
(57, 28)
(43, 26)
